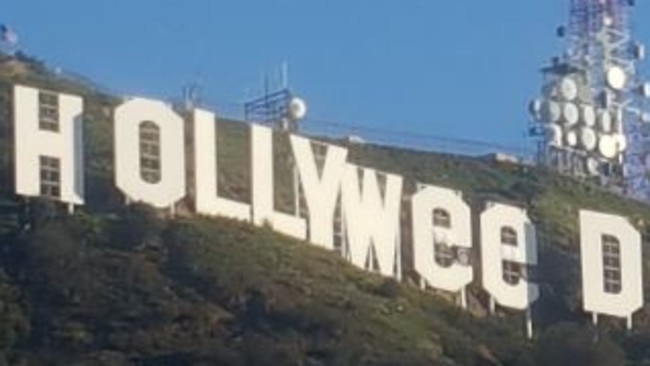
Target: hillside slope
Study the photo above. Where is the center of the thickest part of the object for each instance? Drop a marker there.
(132, 289)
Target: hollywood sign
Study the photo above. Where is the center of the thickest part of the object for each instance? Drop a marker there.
(49, 162)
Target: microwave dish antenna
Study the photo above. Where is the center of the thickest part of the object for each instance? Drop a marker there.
(297, 109)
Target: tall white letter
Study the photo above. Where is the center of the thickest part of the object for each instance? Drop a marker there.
(373, 220)
(508, 245)
(612, 276)
(208, 201)
(441, 217)
(154, 174)
(321, 190)
(263, 182)
(49, 145)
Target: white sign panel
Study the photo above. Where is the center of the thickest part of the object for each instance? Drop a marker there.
(48, 134)
(372, 219)
(263, 187)
(207, 199)
(612, 275)
(508, 247)
(131, 118)
(321, 189)
(455, 230)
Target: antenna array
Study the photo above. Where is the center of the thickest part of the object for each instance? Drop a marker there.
(590, 121)
(278, 107)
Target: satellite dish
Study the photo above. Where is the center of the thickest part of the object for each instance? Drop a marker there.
(608, 21)
(554, 135)
(588, 115)
(550, 90)
(297, 109)
(588, 138)
(535, 108)
(644, 90)
(616, 78)
(593, 166)
(604, 121)
(570, 114)
(645, 117)
(607, 146)
(638, 51)
(551, 111)
(571, 138)
(568, 88)
(621, 142)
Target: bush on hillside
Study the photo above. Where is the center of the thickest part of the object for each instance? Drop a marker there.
(582, 346)
(137, 225)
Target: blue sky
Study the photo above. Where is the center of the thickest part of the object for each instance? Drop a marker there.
(459, 68)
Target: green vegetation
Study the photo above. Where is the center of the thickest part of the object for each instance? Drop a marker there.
(125, 285)
(138, 289)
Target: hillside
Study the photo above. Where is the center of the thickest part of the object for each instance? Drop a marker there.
(112, 291)
(131, 288)
(116, 285)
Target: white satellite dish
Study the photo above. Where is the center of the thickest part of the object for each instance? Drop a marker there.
(608, 21)
(535, 108)
(588, 138)
(638, 51)
(645, 117)
(297, 109)
(621, 142)
(588, 115)
(571, 138)
(570, 114)
(568, 88)
(616, 78)
(644, 90)
(607, 146)
(604, 121)
(554, 135)
(551, 111)
(550, 90)
(593, 166)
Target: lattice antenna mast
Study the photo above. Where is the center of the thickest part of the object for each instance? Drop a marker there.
(590, 122)
(278, 106)
(599, 38)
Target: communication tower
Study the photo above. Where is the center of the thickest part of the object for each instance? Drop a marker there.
(590, 121)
